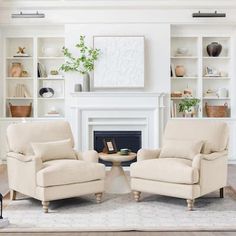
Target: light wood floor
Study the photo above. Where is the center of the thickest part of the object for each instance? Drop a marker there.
(4, 189)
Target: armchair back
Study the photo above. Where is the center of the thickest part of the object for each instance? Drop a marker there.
(215, 134)
(20, 135)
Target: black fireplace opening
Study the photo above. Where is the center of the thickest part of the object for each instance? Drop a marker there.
(123, 139)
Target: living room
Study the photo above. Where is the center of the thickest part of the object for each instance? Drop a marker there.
(117, 117)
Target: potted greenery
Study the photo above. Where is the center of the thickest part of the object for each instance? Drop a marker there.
(82, 64)
(188, 106)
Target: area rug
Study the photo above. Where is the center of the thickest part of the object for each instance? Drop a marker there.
(121, 213)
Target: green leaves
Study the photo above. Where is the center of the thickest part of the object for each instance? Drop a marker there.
(84, 63)
(187, 103)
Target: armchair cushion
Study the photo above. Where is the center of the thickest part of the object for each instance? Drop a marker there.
(54, 150)
(171, 170)
(186, 149)
(61, 172)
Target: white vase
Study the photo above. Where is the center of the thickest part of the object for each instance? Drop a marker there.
(86, 82)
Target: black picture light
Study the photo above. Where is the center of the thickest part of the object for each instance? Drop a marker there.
(214, 14)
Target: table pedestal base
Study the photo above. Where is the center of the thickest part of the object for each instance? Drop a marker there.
(116, 181)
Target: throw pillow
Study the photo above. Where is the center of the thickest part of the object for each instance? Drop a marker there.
(54, 150)
(186, 149)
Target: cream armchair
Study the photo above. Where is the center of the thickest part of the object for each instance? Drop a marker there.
(56, 178)
(187, 178)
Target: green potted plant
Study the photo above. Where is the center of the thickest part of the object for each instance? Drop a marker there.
(82, 64)
(189, 106)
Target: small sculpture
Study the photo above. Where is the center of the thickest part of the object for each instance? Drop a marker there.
(21, 50)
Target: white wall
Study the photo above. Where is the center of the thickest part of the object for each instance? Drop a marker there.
(157, 48)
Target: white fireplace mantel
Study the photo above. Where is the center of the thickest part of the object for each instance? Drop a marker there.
(97, 111)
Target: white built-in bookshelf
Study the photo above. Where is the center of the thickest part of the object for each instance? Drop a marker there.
(195, 62)
(48, 52)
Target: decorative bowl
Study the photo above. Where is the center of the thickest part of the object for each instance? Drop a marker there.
(46, 92)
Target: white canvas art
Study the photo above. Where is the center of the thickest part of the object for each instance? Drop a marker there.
(121, 63)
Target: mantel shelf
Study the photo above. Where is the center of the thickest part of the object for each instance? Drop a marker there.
(117, 94)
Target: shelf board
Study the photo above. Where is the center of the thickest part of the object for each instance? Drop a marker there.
(40, 78)
(215, 78)
(19, 78)
(56, 98)
(216, 98)
(183, 78)
(184, 57)
(19, 58)
(19, 98)
(216, 58)
(51, 58)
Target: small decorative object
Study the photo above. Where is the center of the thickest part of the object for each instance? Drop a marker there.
(188, 92)
(20, 111)
(46, 92)
(16, 69)
(211, 72)
(211, 93)
(222, 92)
(181, 51)
(214, 49)
(109, 146)
(52, 112)
(21, 52)
(24, 73)
(54, 72)
(50, 51)
(41, 70)
(124, 151)
(176, 94)
(3, 221)
(179, 71)
(223, 73)
(83, 64)
(78, 88)
(189, 106)
(216, 111)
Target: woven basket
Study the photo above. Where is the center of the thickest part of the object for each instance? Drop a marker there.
(20, 111)
(216, 111)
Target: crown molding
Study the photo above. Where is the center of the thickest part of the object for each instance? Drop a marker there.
(118, 4)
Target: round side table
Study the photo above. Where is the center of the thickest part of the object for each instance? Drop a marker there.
(116, 180)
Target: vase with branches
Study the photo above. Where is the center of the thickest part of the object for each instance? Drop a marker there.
(82, 64)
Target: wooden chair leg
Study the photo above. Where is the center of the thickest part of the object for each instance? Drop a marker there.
(98, 197)
(190, 204)
(221, 192)
(12, 195)
(45, 206)
(136, 195)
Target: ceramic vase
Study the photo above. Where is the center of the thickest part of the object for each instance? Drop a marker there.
(16, 69)
(86, 82)
(179, 71)
(214, 49)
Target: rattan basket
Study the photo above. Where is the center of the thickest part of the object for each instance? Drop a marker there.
(216, 111)
(20, 111)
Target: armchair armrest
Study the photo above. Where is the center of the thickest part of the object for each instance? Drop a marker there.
(207, 157)
(27, 159)
(89, 156)
(146, 154)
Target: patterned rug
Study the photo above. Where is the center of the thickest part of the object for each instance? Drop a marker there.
(120, 212)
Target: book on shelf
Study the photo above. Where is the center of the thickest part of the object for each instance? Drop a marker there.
(41, 71)
(55, 77)
(21, 90)
(173, 111)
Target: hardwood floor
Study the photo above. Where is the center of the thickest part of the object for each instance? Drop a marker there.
(4, 189)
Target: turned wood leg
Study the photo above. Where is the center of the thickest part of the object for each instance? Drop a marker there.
(136, 195)
(45, 206)
(221, 192)
(190, 204)
(12, 194)
(98, 197)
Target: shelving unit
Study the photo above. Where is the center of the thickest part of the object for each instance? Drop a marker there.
(195, 61)
(44, 50)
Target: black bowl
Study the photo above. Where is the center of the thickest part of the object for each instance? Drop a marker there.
(42, 92)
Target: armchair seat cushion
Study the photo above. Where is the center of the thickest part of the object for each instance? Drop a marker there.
(172, 170)
(61, 172)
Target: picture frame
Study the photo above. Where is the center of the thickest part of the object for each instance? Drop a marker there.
(109, 146)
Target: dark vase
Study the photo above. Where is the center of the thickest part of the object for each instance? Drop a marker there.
(214, 49)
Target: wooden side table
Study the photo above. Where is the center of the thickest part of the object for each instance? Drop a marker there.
(116, 180)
